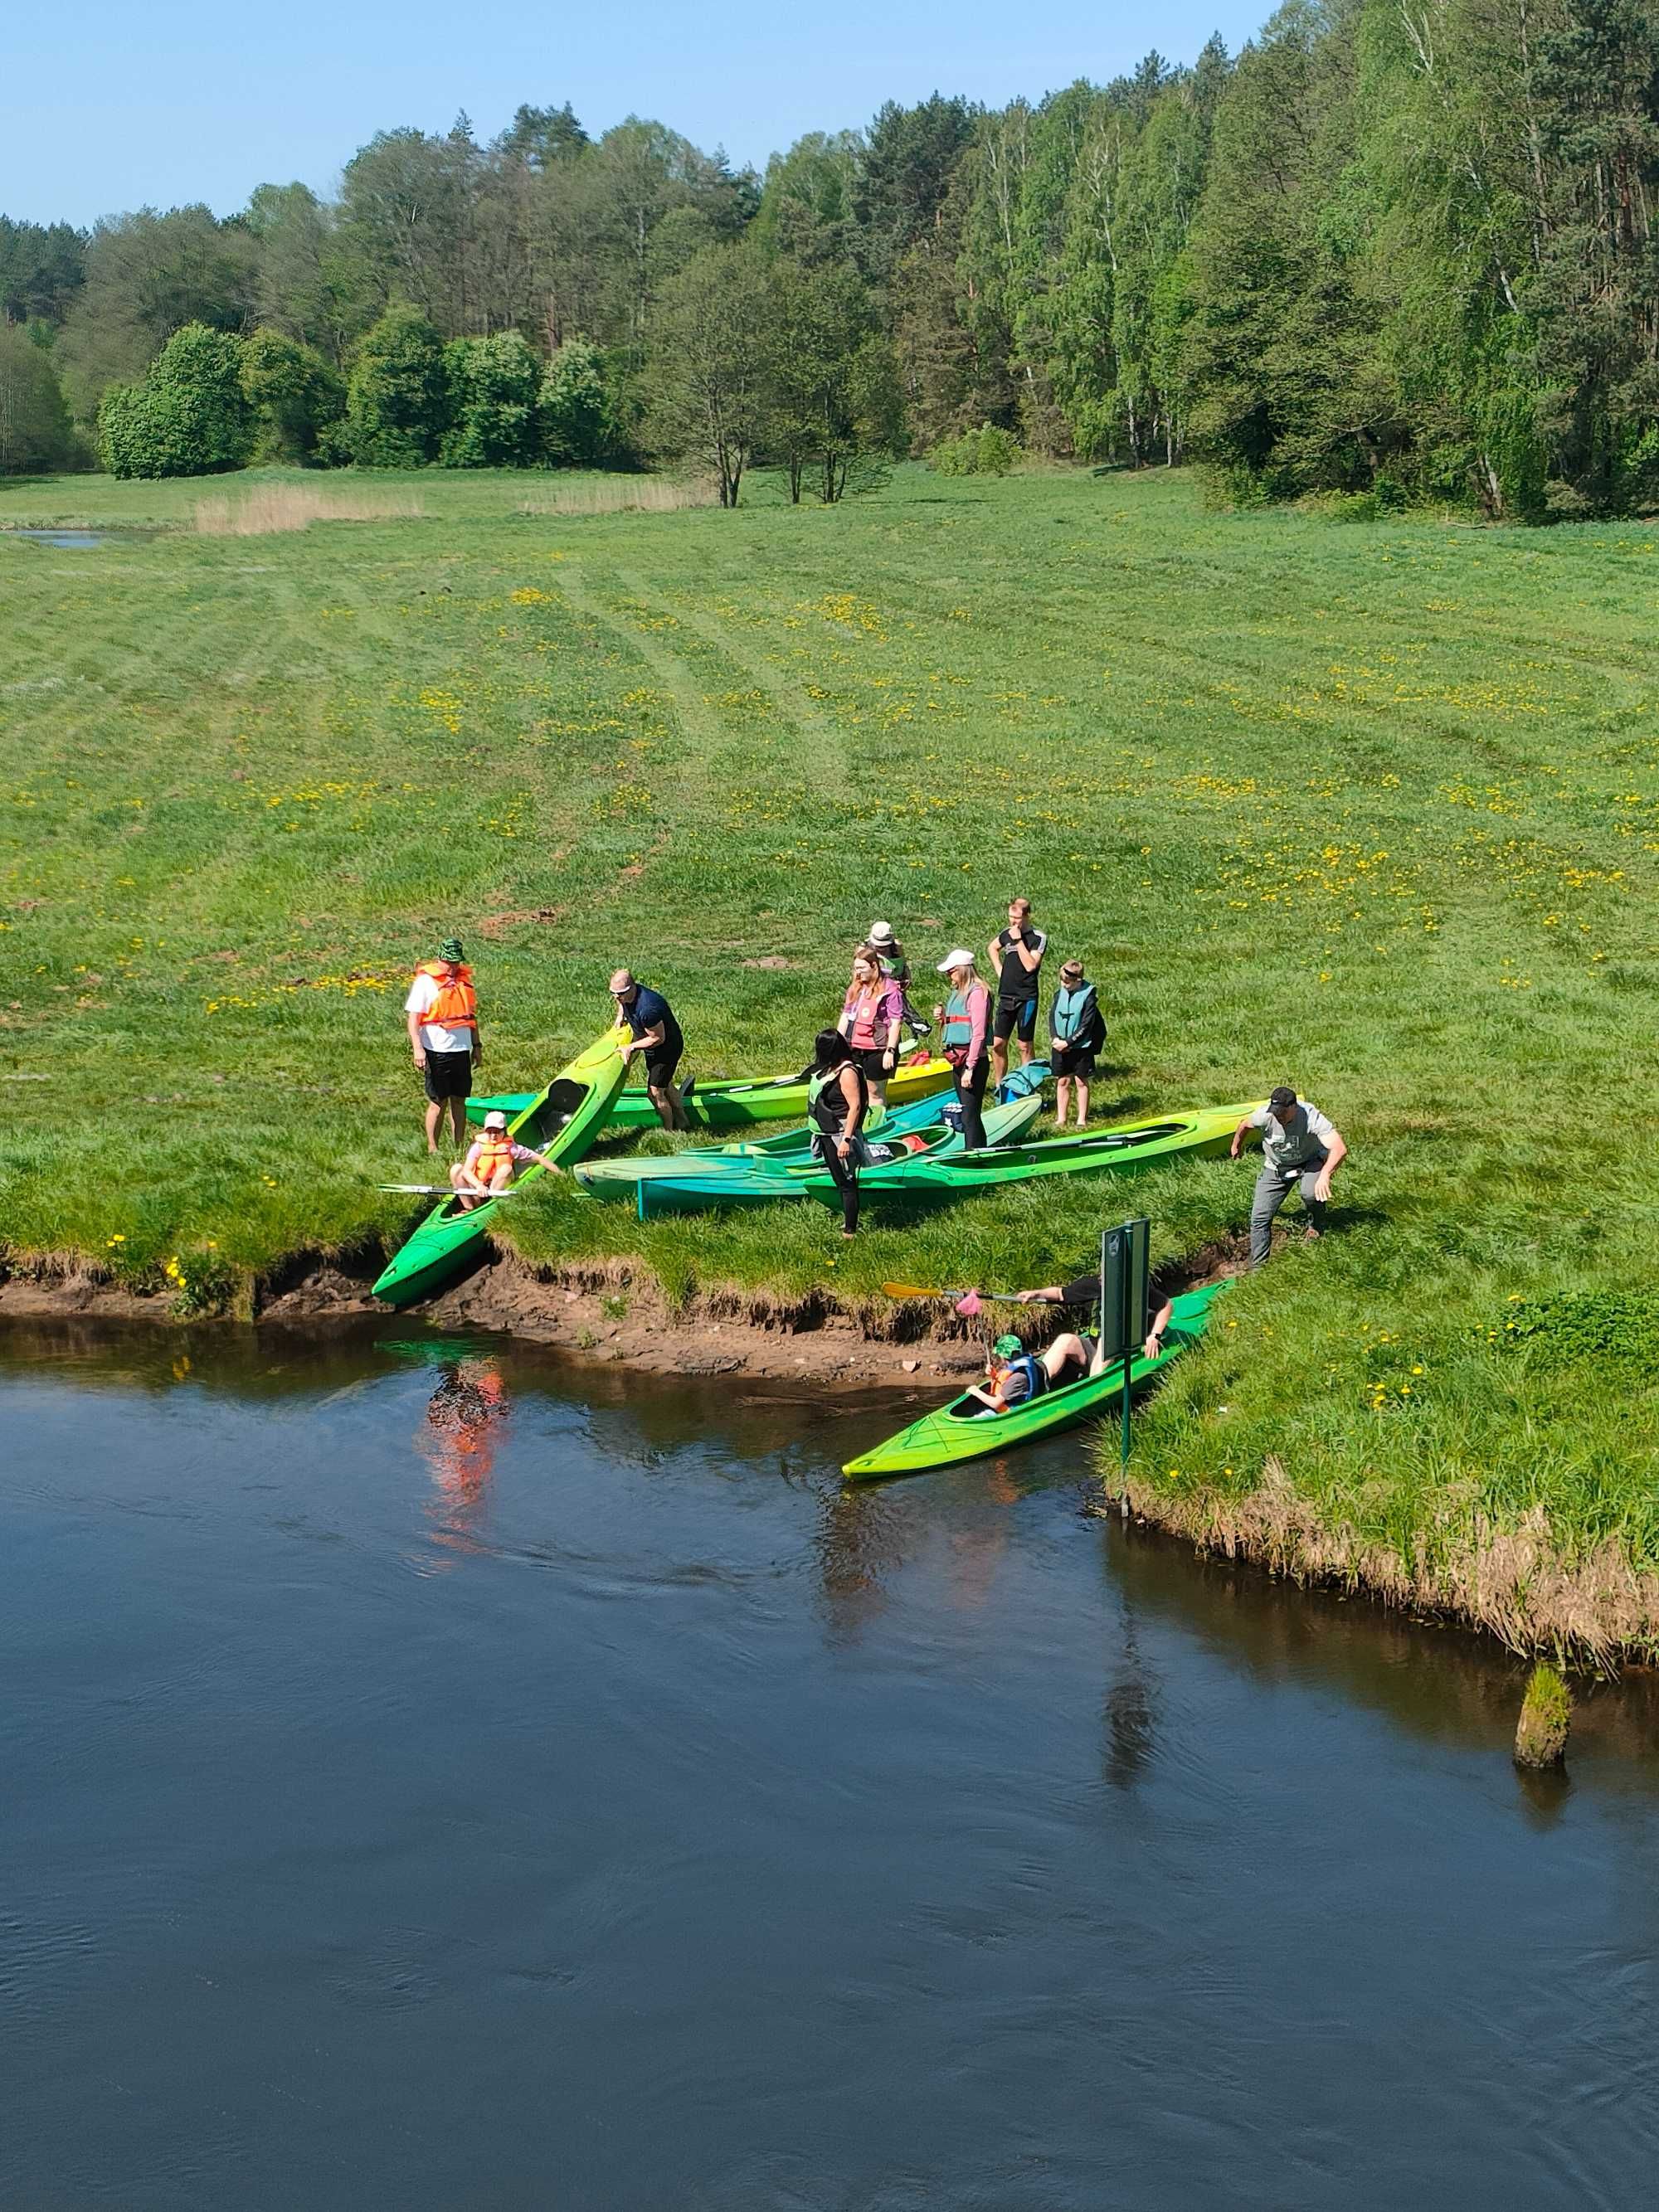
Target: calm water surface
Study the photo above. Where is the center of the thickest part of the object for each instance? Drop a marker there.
(433, 1777)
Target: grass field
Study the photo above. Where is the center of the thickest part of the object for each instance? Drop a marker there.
(1371, 809)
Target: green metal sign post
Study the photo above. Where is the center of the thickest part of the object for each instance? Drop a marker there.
(1125, 1280)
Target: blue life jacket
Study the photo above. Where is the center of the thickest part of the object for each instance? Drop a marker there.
(1031, 1367)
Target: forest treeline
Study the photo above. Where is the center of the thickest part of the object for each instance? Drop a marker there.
(1396, 250)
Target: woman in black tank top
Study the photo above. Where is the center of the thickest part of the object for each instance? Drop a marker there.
(838, 1098)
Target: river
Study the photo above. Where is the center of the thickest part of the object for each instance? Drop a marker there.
(438, 1776)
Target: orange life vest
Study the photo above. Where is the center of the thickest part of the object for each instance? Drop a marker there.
(456, 1006)
(491, 1153)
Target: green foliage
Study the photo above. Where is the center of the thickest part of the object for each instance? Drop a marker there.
(708, 398)
(295, 396)
(398, 397)
(189, 417)
(580, 414)
(494, 384)
(35, 431)
(1540, 1736)
(987, 452)
(1603, 1329)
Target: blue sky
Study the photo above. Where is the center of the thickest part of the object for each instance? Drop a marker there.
(159, 101)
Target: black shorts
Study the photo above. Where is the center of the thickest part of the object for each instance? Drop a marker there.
(872, 1061)
(660, 1066)
(448, 1075)
(1019, 1021)
(1072, 1063)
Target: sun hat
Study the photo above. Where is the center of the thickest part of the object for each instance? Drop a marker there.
(962, 957)
(1071, 967)
(881, 933)
(453, 950)
(495, 1119)
(1008, 1347)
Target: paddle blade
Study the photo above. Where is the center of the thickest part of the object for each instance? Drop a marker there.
(912, 1291)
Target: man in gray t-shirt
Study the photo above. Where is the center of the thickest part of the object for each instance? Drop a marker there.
(1298, 1147)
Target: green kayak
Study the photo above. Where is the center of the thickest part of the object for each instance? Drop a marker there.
(562, 1120)
(953, 1432)
(1204, 1135)
(790, 1148)
(760, 1181)
(736, 1104)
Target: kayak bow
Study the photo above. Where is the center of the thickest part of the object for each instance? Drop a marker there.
(561, 1121)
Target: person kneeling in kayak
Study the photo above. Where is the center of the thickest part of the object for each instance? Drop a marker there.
(492, 1161)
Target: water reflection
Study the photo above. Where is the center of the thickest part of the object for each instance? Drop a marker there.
(1130, 1715)
(458, 1438)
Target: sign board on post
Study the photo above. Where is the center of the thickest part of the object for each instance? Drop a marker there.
(1125, 1280)
(1125, 1275)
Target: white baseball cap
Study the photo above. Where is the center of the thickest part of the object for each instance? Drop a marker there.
(960, 958)
(495, 1119)
(881, 933)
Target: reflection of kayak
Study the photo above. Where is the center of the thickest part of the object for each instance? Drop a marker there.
(952, 1432)
(689, 1189)
(734, 1104)
(562, 1120)
(1205, 1133)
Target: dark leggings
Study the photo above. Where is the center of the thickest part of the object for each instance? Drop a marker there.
(846, 1173)
(970, 1090)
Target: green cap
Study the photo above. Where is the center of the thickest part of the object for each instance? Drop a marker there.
(451, 949)
(1008, 1347)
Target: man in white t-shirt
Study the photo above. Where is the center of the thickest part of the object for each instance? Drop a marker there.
(1299, 1147)
(442, 1016)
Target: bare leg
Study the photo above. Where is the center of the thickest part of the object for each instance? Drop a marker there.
(458, 1121)
(435, 1115)
(671, 1107)
(1082, 1103)
(1062, 1099)
(998, 1060)
(469, 1198)
(878, 1099)
(1025, 1052)
(1065, 1353)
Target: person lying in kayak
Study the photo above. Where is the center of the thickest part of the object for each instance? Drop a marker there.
(492, 1163)
(1083, 1291)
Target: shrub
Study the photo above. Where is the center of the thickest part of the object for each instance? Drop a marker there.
(578, 408)
(295, 396)
(396, 397)
(187, 417)
(987, 452)
(493, 385)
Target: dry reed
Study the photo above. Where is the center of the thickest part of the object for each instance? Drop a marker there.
(621, 496)
(270, 508)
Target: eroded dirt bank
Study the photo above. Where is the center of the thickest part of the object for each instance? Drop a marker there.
(608, 1312)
